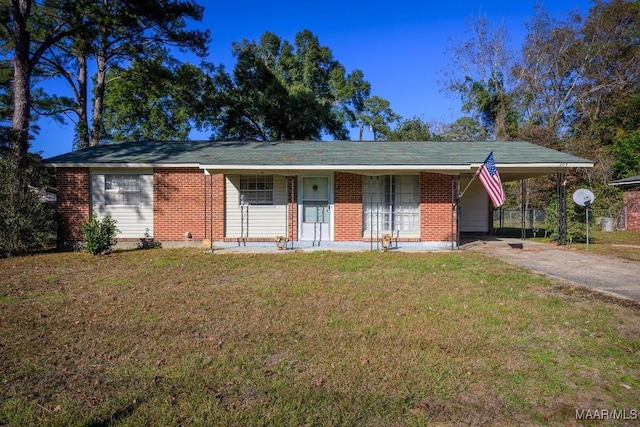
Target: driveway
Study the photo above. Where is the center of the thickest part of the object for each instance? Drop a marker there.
(609, 275)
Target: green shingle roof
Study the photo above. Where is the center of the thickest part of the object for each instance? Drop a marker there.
(292, 154)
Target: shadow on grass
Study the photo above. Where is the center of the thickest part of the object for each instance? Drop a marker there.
(117, 416)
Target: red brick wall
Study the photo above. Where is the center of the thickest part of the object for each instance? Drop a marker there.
(74, 200)
(436, 210)
(292, 208)
(347, 207)
(178, 204)
(632, 204)
(218, 206)
(214, 207)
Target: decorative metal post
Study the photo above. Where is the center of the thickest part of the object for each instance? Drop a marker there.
(561, 187)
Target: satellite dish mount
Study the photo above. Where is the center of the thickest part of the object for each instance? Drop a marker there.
(584, 197)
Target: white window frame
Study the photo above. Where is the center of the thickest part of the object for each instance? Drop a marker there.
(390, 204)
(256, 190)
(122, 190)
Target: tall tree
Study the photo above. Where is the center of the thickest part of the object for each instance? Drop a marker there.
(26, 30)
(577, 70)
(627, 150)
(413, 129)
(464, 129)
(610, 89)
(127, 29)
(6, 104)
(578, 76)
(377, 116)
(167, 107)
(30, 29)
(119, 33)
(480, 74)
(280, 90)
(551, 70)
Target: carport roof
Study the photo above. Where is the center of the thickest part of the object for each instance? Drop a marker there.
(633, 180)
(511, 157)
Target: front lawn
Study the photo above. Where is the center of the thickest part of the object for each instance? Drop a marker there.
(181, 337)
(620, 243)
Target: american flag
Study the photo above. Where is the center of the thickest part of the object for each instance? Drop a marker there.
(490, 178)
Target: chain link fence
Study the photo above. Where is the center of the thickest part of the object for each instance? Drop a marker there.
(534, 220)
(512, 218)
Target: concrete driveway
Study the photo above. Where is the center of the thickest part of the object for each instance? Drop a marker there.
(609, 275)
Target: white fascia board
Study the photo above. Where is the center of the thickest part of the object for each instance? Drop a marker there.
(103, 171)
(615, 184)
(122, 165)
(537, 165)
(335, 167)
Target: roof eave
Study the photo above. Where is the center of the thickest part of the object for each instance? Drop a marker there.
(122, 165)
(552, 165)
(451, 168)
(356, 169)
(615, 184)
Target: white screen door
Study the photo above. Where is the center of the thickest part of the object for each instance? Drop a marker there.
(315, 208)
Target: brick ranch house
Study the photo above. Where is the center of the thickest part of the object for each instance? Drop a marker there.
(631, 200)
(216, 193)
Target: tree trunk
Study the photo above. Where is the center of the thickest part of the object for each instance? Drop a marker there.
(99, 91)
(83, 110)
(20, 10)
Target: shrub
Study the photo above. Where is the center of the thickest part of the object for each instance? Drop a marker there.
(27, 223)
(576, 229)
(99, 235)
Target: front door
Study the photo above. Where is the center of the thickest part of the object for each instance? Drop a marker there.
(316, 209)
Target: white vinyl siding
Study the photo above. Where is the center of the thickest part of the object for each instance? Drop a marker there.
(391, 203)
(255, 221)
(474, 208)
(135, 219)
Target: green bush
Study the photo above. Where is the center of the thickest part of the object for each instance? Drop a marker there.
(27, 223)
(99, 235)
(576, 229)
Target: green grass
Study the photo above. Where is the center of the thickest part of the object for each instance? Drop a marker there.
(621, 243)
(166, 337)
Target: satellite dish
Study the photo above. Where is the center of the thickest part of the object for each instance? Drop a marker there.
(583, 197)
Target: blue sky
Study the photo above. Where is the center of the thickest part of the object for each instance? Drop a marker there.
(400, 46)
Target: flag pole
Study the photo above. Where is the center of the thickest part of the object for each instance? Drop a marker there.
(472, 179)
(470, 182)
